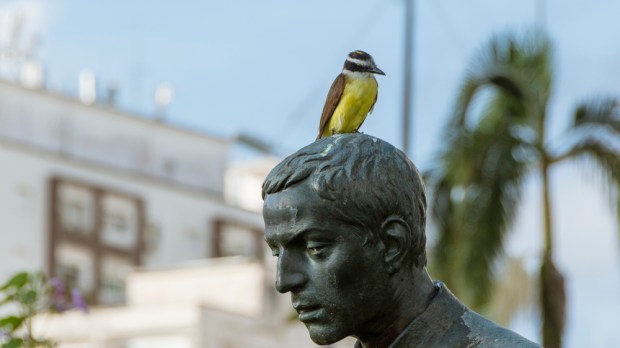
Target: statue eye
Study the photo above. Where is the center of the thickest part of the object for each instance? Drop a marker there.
(315, 249)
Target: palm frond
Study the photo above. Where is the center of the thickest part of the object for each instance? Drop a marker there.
(441, 210)
(600, 152)
(599, 113)
(476, 194)
(477, 183)
(516, 68)
(596, 125)
(618, 212)
(500, 78)
(606, 162)
(489, 209)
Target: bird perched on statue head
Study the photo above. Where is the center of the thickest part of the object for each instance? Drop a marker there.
(351, 96)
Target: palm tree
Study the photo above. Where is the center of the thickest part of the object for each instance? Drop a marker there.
(495, 138)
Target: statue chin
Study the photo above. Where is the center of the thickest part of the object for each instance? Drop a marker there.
(322, 334)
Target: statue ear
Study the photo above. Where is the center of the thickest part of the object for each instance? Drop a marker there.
(396, 238)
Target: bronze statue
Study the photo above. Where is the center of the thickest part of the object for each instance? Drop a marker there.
(346, 217)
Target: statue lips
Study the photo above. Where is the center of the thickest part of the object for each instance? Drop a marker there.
(308, 312)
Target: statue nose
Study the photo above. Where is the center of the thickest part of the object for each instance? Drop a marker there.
(289, 275)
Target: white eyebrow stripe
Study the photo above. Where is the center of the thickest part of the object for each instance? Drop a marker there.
(358, 61)
(356, 74)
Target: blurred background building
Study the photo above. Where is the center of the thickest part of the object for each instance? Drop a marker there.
(101, 192)
(100, 199)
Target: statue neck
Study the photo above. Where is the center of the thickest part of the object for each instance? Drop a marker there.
(412, 295)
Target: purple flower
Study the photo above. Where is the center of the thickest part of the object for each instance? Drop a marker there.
(59, 296)
(78, 300)
(58, 286)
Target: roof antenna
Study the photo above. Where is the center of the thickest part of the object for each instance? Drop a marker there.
(163, 97)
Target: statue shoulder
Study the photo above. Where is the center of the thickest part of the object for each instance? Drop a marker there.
(481, 332)
(447, 322)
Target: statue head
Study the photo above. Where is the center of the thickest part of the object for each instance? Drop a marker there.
(345, 216)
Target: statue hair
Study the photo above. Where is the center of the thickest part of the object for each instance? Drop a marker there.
(368, 179)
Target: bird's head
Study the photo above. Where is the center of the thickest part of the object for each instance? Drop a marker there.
(360, 61)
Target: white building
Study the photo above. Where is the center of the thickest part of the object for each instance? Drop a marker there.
(91, 194)
(214, 303)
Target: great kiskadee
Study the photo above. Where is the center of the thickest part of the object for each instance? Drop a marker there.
(351, 96)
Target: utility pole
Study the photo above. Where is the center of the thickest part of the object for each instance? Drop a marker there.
(408, 61)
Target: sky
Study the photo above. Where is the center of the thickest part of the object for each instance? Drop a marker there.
(264, 68)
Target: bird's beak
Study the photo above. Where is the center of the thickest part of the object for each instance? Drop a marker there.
(376, 70)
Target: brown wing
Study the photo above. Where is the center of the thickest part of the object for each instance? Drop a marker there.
(333, 98)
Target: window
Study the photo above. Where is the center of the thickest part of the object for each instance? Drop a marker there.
(231, 238)
(113, 273)
(120, 221)
(76, 209)
(74, 265)
(116, 222)
(70, 275)
(96, 237)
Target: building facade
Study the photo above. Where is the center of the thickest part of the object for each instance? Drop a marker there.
(124, 207)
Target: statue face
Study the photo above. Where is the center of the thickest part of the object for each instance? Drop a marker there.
(338, 287)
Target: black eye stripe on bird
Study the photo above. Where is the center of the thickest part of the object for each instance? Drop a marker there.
(356, 65)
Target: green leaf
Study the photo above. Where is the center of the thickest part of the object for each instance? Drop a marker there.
(7, 299)
(18, 281)
(11, 322)
(14, 343)
(29, 297)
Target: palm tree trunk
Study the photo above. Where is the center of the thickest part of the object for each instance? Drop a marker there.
(552, 291)
(547, 210)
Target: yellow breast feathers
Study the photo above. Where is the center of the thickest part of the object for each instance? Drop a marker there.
(356, 101)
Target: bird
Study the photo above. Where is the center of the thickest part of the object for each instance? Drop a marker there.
(351, 97)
